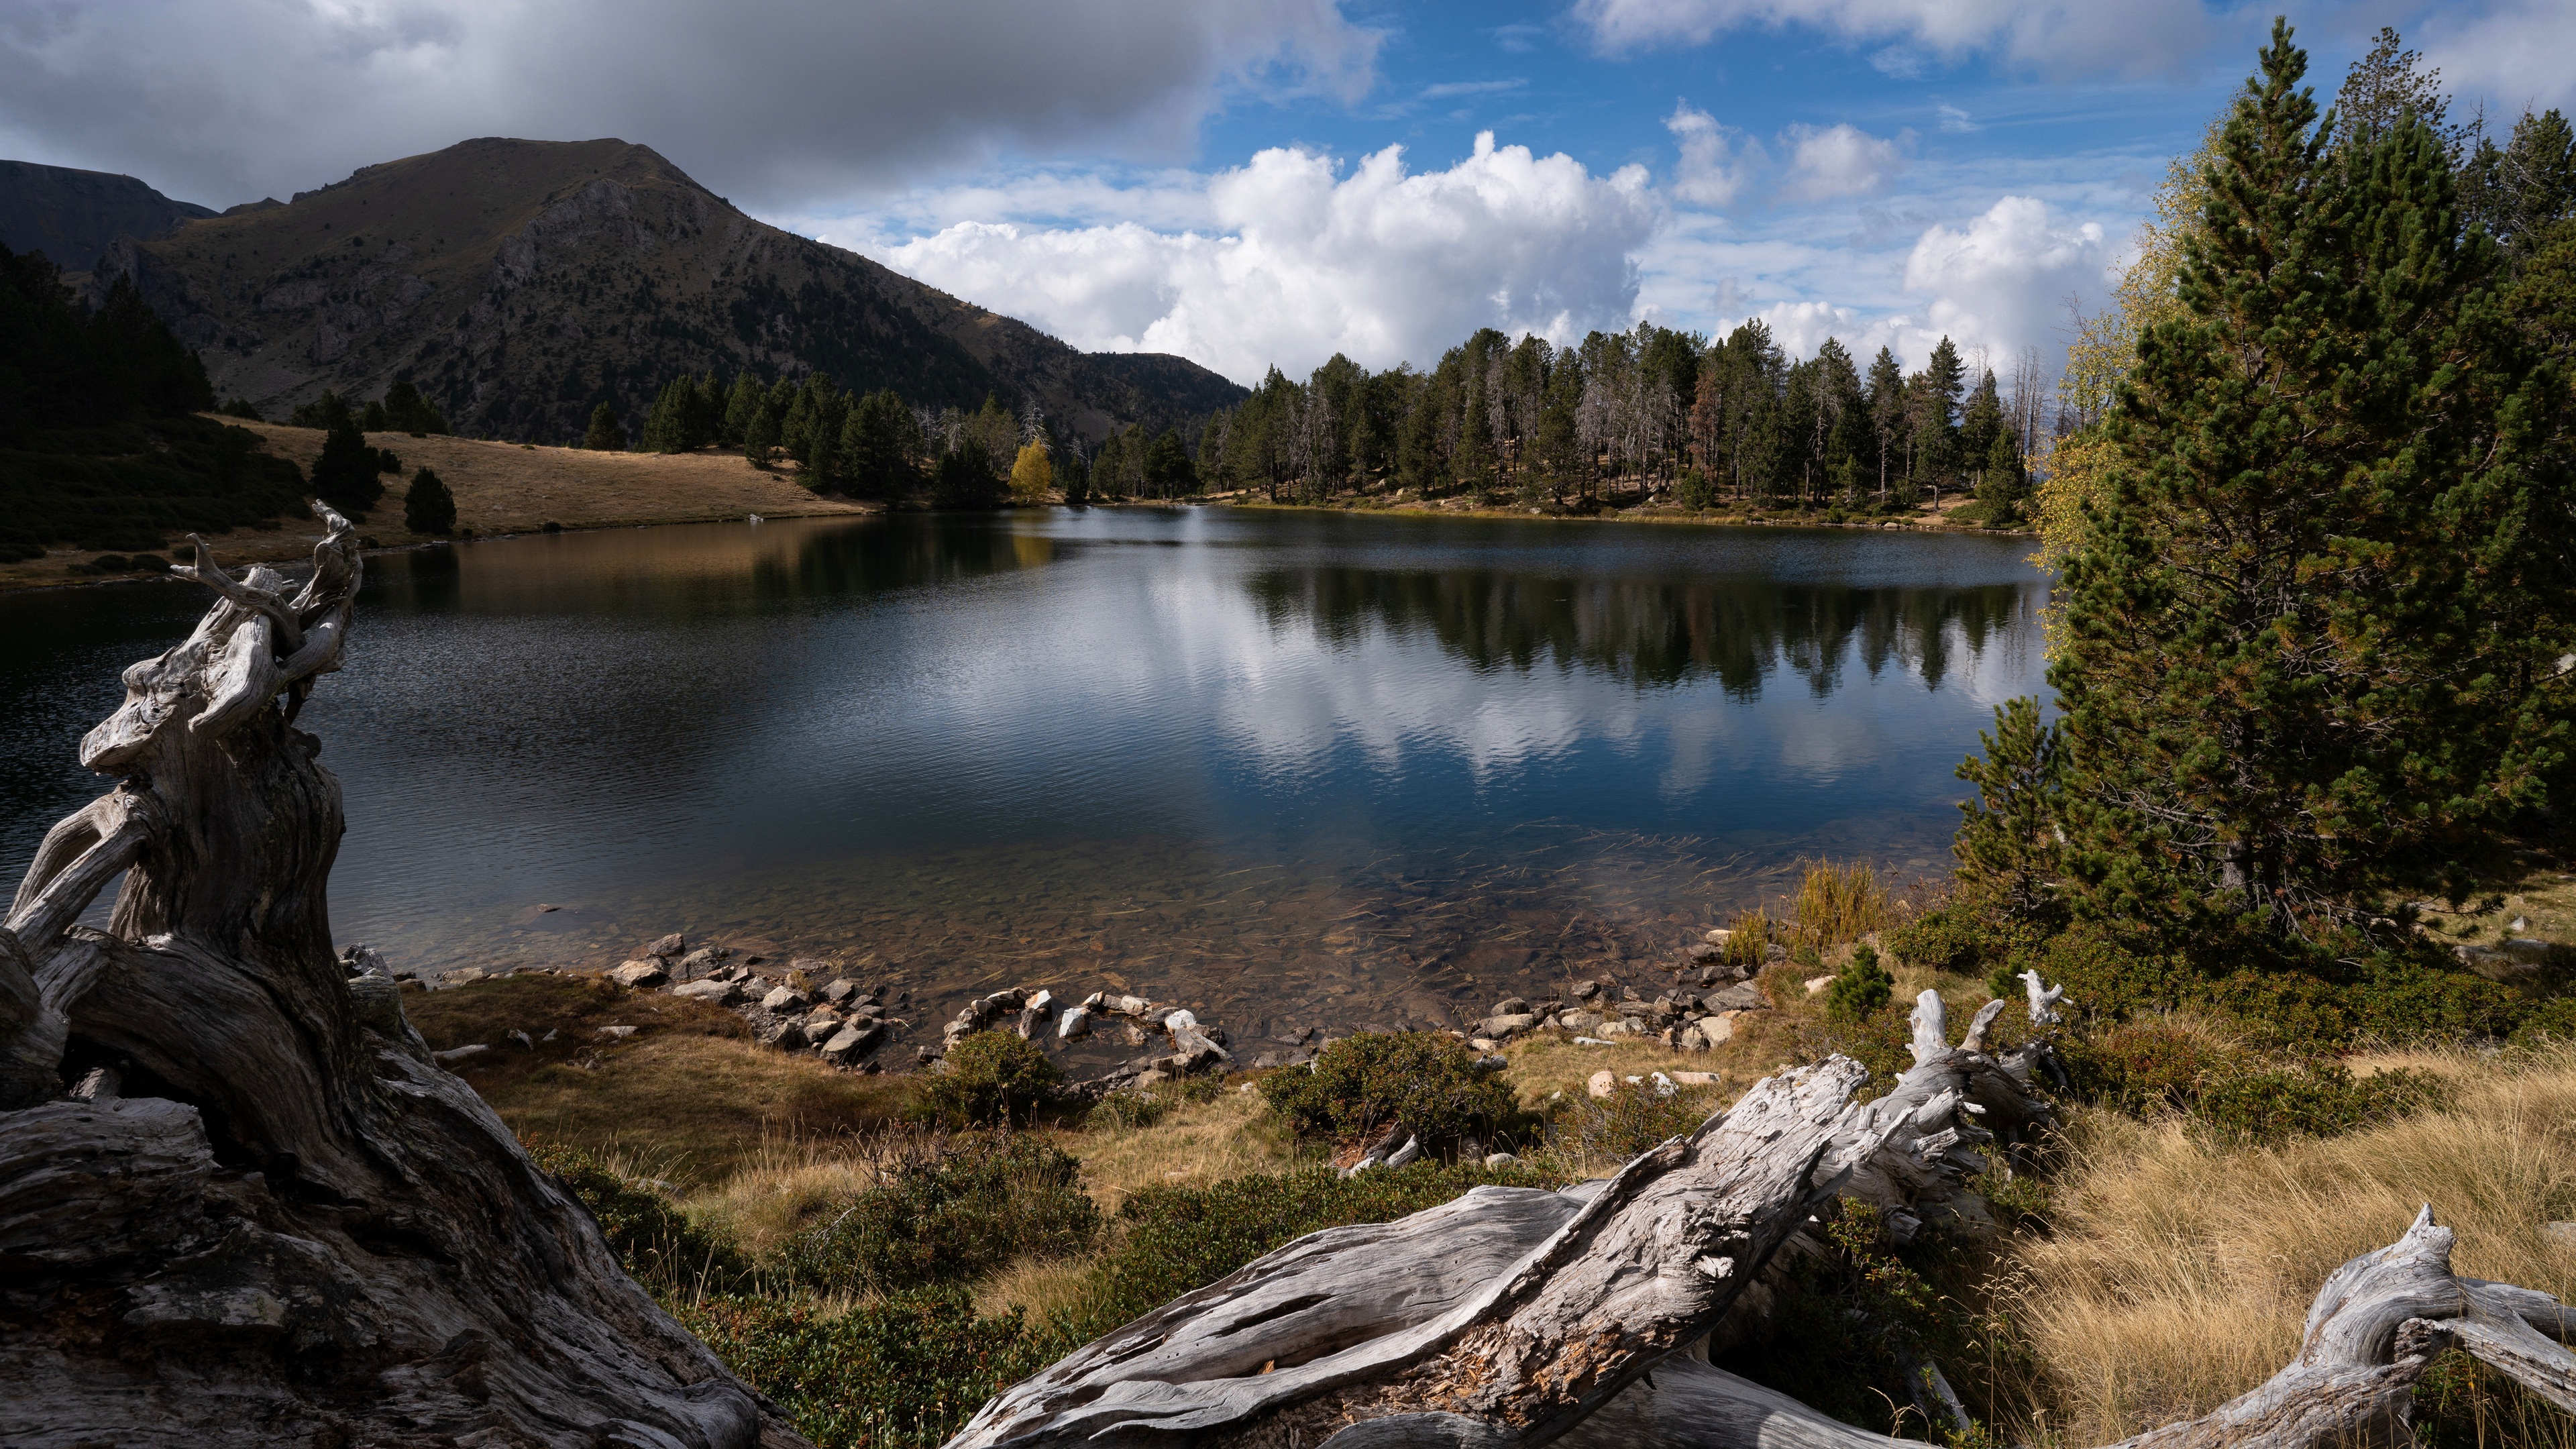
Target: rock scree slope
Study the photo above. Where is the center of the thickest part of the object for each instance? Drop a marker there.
(518, 284)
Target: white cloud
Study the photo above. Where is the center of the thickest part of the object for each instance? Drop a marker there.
(1301, 261)
(2059, 36)
(2002, 281)
(1956, 120)
(2515, 55)
(1837, 161)
(1715, 163)
(772, 100)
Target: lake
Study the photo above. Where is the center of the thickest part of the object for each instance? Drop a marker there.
(1291, 768)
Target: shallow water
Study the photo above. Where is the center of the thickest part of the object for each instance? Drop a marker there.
(1293, 769)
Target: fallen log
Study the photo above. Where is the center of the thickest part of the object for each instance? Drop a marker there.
(1516, 1316)
(264, 1214)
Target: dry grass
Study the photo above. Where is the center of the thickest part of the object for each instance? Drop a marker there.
(1195, 1143)
(1039, 1287)
(1840, 902)
(507, 488)
(2180, 1270)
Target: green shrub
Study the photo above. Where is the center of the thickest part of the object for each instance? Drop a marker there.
(2149, 1068)
(2552, 1020)
(968, 1207)
(990, 1078)
(904, 1370)
(658, 1247)
(429, 507)
(1427, 1082)
(1860, 988)
(1634, 1117)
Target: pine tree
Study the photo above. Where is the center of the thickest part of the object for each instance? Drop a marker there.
(429, 507)
(1886, 415)
(346, 475)
(760, 435)
(741, 405)
(2311, 632)
(607, 434)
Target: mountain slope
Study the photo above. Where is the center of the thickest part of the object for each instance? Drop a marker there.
(72, 216)
(520, 283)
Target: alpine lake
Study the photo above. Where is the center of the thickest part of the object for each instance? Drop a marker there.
(1294, 770)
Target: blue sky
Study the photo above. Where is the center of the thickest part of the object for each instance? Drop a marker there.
(1250, 182)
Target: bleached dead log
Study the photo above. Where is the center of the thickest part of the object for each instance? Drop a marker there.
(266, 1215)
(1517, 1316)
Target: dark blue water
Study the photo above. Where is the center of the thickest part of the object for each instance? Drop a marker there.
(1373, 766)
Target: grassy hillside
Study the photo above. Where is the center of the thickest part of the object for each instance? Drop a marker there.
(499, 488)
(521, 283)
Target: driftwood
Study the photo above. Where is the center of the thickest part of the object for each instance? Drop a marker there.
(239, 1203)
(1515, 1316)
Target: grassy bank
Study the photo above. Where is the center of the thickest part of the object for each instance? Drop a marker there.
(880, 1273)
(500, 488)
(1958, 515)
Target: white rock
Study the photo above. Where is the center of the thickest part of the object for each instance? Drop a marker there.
(714, 993)
(1603, 1082)
(640, 974)
(1816, 985)
(1075, 1025)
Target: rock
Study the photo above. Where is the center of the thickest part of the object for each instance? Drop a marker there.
(1511, 1006)
(1718, 936)
(784, 998)
(1816, 984)
(1697, 1079)
(1504, 1028)
(2528, 948)
(810, 967)
(851, 1043)
(1195, 1050)
(840, 991)
(1033, 1016)
(704, 961)
(787, 1036)
(1775, 952)
(378, 1001)
(821, 1025)
(458, 1054)
(669, 948)
(1592, 1041)
(1703, 952)
(1492, 1063)
(1129, 1005)
(2563, 1234)
(1074, 1025)
(712, 992)
(1586, 990)
(640, 974)
(1411, 1149)
(1495, 1160)
(1577, 1021)
(1151, 1077)
(1483, 1044)
(1744, 996)
(1603, 1083)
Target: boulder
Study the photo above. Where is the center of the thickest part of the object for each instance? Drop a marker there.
(640, 974)
(1703, 952)
(1494, 1160)
(839, 992)
(669, 948)
(1511, 1006)
(1503, 1028)
(812, 968)
(1816, 984)
(787, 1036)
(1074, 1025)
(463, 975)
(704, 961)
(1033, 1016)
(1586, 990)
(784, 998)
(712, 992)
(1603, 1083)
(1578, 1021)
(1718, 936)
(852, 1042)
(1744, 996)
(821, 1025)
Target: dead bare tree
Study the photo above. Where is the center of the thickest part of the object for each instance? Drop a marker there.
(1519, 1316)
(264, 1215)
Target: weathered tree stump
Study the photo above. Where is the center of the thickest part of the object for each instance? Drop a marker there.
(239, 1204)
(1515, 1316)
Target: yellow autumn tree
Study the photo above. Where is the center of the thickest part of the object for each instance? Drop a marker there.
(1032, 474)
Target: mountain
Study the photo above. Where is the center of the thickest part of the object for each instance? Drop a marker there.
(518, 284)
(72, 216)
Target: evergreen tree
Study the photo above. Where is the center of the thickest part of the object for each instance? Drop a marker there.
(740, 406)
(1886, 416)
(607, 434)
(346, 476)
(406, 411)
(372, 419)
(429, 507)
(760, 436)
(1074, 477)
(1980, 429)
(1166, 467)
(2311, 628)
(964, 479)
(328, 411)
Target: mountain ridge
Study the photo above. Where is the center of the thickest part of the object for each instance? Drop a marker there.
(520, 283)
(72, 215)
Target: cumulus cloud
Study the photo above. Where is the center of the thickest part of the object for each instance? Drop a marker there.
(1715, 161)
(2514, 55)
(1836, 161)
(2059, 36)
(774, 100)
(2000, 281)
(1301, 261)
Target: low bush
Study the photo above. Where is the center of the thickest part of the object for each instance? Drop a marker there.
(2149, 1068)
(905, 1370)
(1860, 988)
(658, 1246)
(1427, 1082)
(965, 1206)
(991, 1078)
(1593, 1133)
